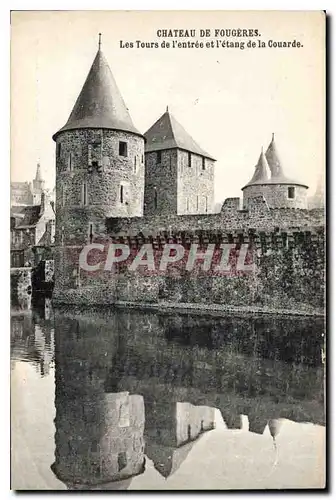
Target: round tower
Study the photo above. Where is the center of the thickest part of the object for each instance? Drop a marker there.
(99, 165)
(278, 190)
(99, 440)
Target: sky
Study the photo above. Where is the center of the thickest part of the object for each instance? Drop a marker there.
(229, 100)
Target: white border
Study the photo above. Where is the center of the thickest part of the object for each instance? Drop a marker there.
(5, 8)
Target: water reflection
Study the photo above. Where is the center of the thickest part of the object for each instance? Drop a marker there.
(131, 384)
(32, 334)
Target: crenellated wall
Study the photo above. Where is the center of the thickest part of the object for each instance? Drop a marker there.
(286, 248)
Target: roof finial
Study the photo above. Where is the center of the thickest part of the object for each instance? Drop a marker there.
(167, 109)
(272, 136)
(99, 41)
(262, 149)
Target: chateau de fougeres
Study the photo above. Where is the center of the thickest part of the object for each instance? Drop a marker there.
(135, 223)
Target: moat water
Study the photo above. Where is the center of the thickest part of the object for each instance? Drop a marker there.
(135, 400)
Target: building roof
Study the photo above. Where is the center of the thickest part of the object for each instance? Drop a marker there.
(46, 239)
(277, 174)
(270, 161)
(167, 133)
(20, 185)
(17, 211)
(167, 459)
(260, 175)
(31, 216)
(100, 104)
(257, 423)
(38, 176)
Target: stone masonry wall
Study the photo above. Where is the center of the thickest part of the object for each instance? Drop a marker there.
(286, 246)
(288, 274)
(86, 453)
(104, 180)
(161, 179)
(180, 188)
(195, 184)
(90, 157)
(276, 195)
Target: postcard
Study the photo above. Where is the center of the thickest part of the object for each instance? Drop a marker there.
(168, 250)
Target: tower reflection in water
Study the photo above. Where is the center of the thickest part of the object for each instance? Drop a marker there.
(99, 431)
(128, 384)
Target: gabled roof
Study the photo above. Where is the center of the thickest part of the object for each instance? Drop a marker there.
(20, 185)
(46, 240)
(17, 211)
(257, 424)
(168, 133)
(100, 104)
(31, 216)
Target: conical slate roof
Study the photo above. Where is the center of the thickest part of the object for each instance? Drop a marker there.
(277, 174)
(100, 104)
(270, 162)
(260, 175)
(167, 133)
(38, 176)
(273, 160)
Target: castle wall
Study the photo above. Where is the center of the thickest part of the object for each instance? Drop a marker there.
(162, 179)
(195, 184)
(88, 186)
(287, 250)
(276, 195)
(104, 180)
(286, 245)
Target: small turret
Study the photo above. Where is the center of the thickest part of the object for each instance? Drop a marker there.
(38, 186)
(278, 190)
(274, 426)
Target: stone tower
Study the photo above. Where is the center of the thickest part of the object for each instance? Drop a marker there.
(99, 166)
(179, 176)
(278, 190)
(38, 186)
(99, 432)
